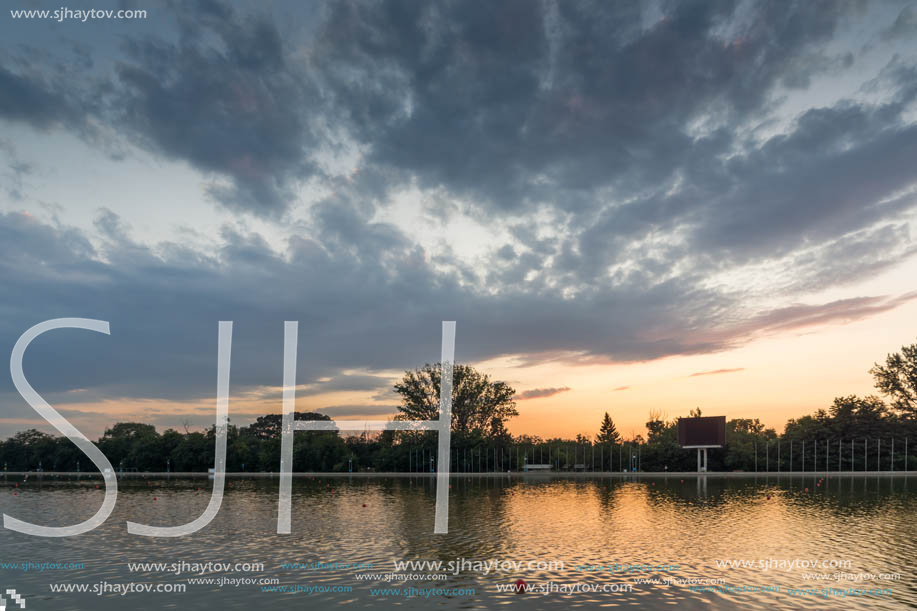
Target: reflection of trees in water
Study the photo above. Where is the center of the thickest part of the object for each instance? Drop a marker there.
(479, 519)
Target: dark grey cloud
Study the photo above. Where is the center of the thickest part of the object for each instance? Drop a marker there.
(47, 90)
(352, 382)
(595, 99)
(905, 25)
(23, 98)
(800, 317)
(810, 187)
(581, 96)
(219, 92)
(540, 393)
(225, 98)
(380, 386)
(508, 104)
(369, 411)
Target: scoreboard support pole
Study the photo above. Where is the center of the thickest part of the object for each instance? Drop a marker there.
(701, 468)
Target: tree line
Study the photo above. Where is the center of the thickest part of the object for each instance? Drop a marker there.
(854, 433)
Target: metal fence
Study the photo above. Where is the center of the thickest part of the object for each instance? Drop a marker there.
(774, 455)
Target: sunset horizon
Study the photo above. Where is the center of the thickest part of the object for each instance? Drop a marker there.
(670, 386)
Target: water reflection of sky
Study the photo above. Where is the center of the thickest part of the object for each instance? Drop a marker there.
(868, 521)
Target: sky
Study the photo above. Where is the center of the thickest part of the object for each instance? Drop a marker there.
(625, 207)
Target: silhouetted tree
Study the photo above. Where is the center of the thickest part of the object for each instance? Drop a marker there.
(608, 433)
(479, 405)
(897, 379)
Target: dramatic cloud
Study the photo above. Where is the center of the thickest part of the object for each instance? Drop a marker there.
(226, 99)
(557, 100)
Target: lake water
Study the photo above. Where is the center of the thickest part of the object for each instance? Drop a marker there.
(669, 528)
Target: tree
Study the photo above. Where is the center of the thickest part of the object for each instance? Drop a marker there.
(608, 433)
(695, 413)
(134, 443)
(655, 426)
(271, 425)
(129, 430)
(746, 426)
(897, 379)
(479, 405)
(854, 416)
(26, 449)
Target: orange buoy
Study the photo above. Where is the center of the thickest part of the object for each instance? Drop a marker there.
(364, 504)
(807, 489)
(154, 498)
(520, 585)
